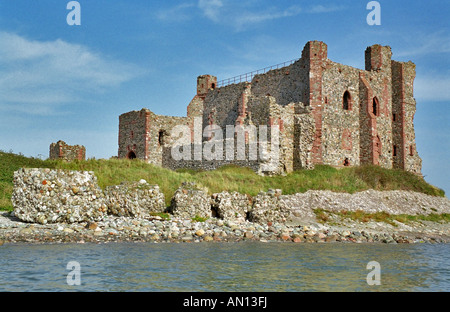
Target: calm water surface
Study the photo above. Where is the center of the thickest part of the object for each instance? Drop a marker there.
(242, 266)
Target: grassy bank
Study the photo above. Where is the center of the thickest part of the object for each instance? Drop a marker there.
(325, 216)
(229, 178)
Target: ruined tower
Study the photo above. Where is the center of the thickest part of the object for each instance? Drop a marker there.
(60, 150)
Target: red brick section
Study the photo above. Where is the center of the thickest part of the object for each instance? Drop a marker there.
(242, 110)
(374, 57)
(281, 124)
(81, 154)
(316, 52)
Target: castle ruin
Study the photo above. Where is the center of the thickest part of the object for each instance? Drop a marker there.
(326, 113)
(61, 150)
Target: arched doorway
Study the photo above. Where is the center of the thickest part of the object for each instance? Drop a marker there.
(131, 155)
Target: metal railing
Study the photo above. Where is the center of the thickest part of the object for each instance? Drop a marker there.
(249, 76)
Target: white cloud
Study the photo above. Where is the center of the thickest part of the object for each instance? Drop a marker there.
(241, 14)
(323, 9)
(211, 8)
(432, 88)
(242, 20)
(417, 44)
(50, 73)
(177, 13)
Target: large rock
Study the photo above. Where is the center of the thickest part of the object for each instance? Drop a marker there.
(134, 199)
(190, 201)
(267, 208)
(299, 208)
(53, 196)
(231, 206)
(272, 206)
(371, 201)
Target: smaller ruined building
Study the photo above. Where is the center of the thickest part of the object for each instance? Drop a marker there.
(60, 150)
(326, 113)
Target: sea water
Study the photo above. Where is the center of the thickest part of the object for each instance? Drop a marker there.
(220, 267)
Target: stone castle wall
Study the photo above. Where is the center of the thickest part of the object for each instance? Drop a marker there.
(133, 134)
(326, 113)
(143, 135)
(221, 158)
(60, 150)
(340, 126)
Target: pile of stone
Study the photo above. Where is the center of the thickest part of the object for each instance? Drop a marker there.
(272, 206)
(134, 199)
(231, 206)
(190, 201)
(63, 196)
(371, 201)
(57, 196)
(267, 208)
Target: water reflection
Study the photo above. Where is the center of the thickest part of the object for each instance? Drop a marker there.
(243, 266)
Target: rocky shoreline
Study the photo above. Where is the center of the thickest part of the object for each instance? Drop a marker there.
(178, 230)
(58, 206)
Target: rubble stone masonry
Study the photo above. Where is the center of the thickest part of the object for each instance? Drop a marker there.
(60, 150)
(326, 113)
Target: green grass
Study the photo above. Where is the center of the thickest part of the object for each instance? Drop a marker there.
(163, 215)
(227, 178)
(324, 216)
(199, 219)
(9, 163)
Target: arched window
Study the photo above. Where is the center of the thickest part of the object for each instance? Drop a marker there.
(347, 101)
(375, 106)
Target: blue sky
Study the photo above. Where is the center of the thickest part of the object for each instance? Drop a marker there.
(72, 82)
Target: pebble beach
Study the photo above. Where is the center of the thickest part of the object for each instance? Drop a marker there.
(178, 230)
